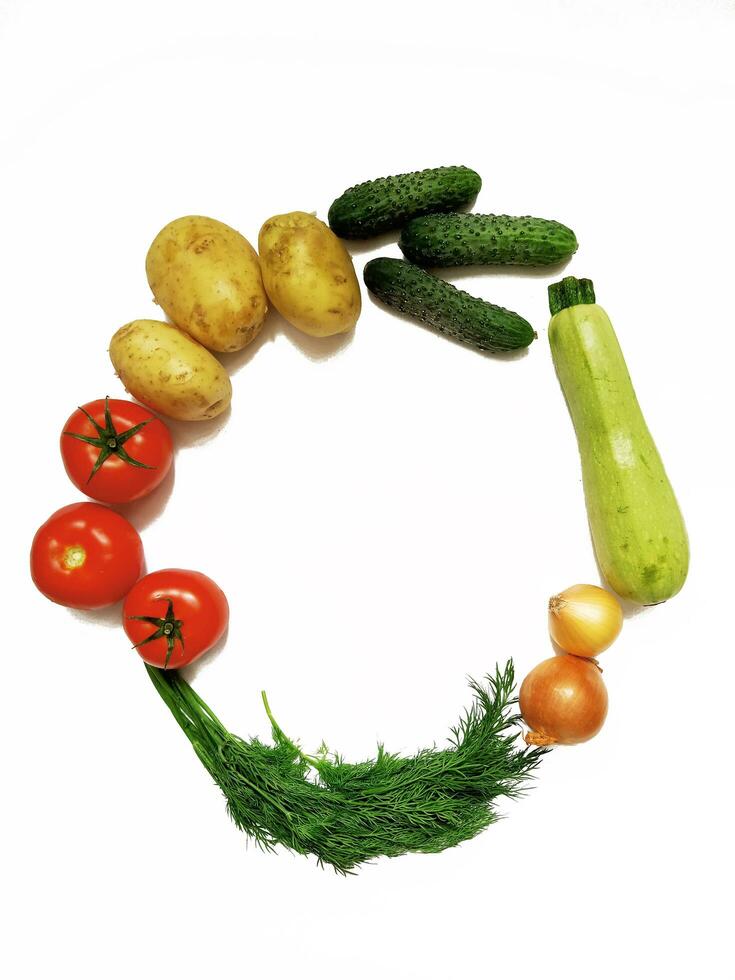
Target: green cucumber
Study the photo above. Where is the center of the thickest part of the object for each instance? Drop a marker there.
(637, 528)
(445, 308)
(389, 202)
(486, 239)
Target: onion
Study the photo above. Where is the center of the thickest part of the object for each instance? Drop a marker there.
(563, 701)
(584, 620)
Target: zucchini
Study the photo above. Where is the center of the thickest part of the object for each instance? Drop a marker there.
(445, 308)
(486, 239)
(637, 528)
(389, 202)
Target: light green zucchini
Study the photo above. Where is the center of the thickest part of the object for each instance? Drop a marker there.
(637, 528)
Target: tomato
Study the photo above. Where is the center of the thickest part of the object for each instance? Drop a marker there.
(174, 616)
(86, 556)
(115, 450)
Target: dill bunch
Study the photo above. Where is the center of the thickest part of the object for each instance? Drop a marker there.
(348, 813)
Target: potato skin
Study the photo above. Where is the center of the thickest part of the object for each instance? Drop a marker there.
(308, 274)
(163, 367)
(206, 278)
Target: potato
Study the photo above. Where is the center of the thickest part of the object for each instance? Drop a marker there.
(163, 367)
(308, 274)
(206, 278)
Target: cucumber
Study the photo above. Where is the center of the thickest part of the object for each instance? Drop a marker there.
(445, 308)
(637, 528)
(486, 239)
(389, 202)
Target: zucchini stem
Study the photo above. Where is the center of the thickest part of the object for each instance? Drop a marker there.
(570, 292)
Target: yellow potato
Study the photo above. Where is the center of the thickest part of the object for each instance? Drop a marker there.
(163, 367)
(206, 278)
(308, 274)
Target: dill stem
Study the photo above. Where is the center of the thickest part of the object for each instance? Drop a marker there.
(168, 696)
(209, 726)
(197, 719)
(186, 711)
(277, 730)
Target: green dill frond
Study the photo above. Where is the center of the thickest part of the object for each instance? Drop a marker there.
(349, 813)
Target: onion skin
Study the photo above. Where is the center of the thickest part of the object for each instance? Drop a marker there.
(563, 701)
(584, 620)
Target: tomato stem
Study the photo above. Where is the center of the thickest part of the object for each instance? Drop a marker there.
(109, 441)
(168, 628)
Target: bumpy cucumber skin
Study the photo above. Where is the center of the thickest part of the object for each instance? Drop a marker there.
(442, 240)
(445, 308)
(381, 205)
(637, 527)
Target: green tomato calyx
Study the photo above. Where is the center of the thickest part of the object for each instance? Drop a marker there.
(168, 628)
(109, 441)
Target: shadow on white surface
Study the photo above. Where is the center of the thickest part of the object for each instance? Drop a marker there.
(110, 616)
(316, 348)
(460, 272)
(359, 246)
(511, 355)
(630, 609)
(191, 672)
(236, 361)
(148, 509)
(187, 434)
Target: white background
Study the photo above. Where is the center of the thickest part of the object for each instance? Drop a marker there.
(387, 513)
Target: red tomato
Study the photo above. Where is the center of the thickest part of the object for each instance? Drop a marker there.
(115, 450)
(174, 616)
(86, 556)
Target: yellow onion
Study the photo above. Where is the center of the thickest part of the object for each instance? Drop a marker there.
(584, 620)
(563, 701)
